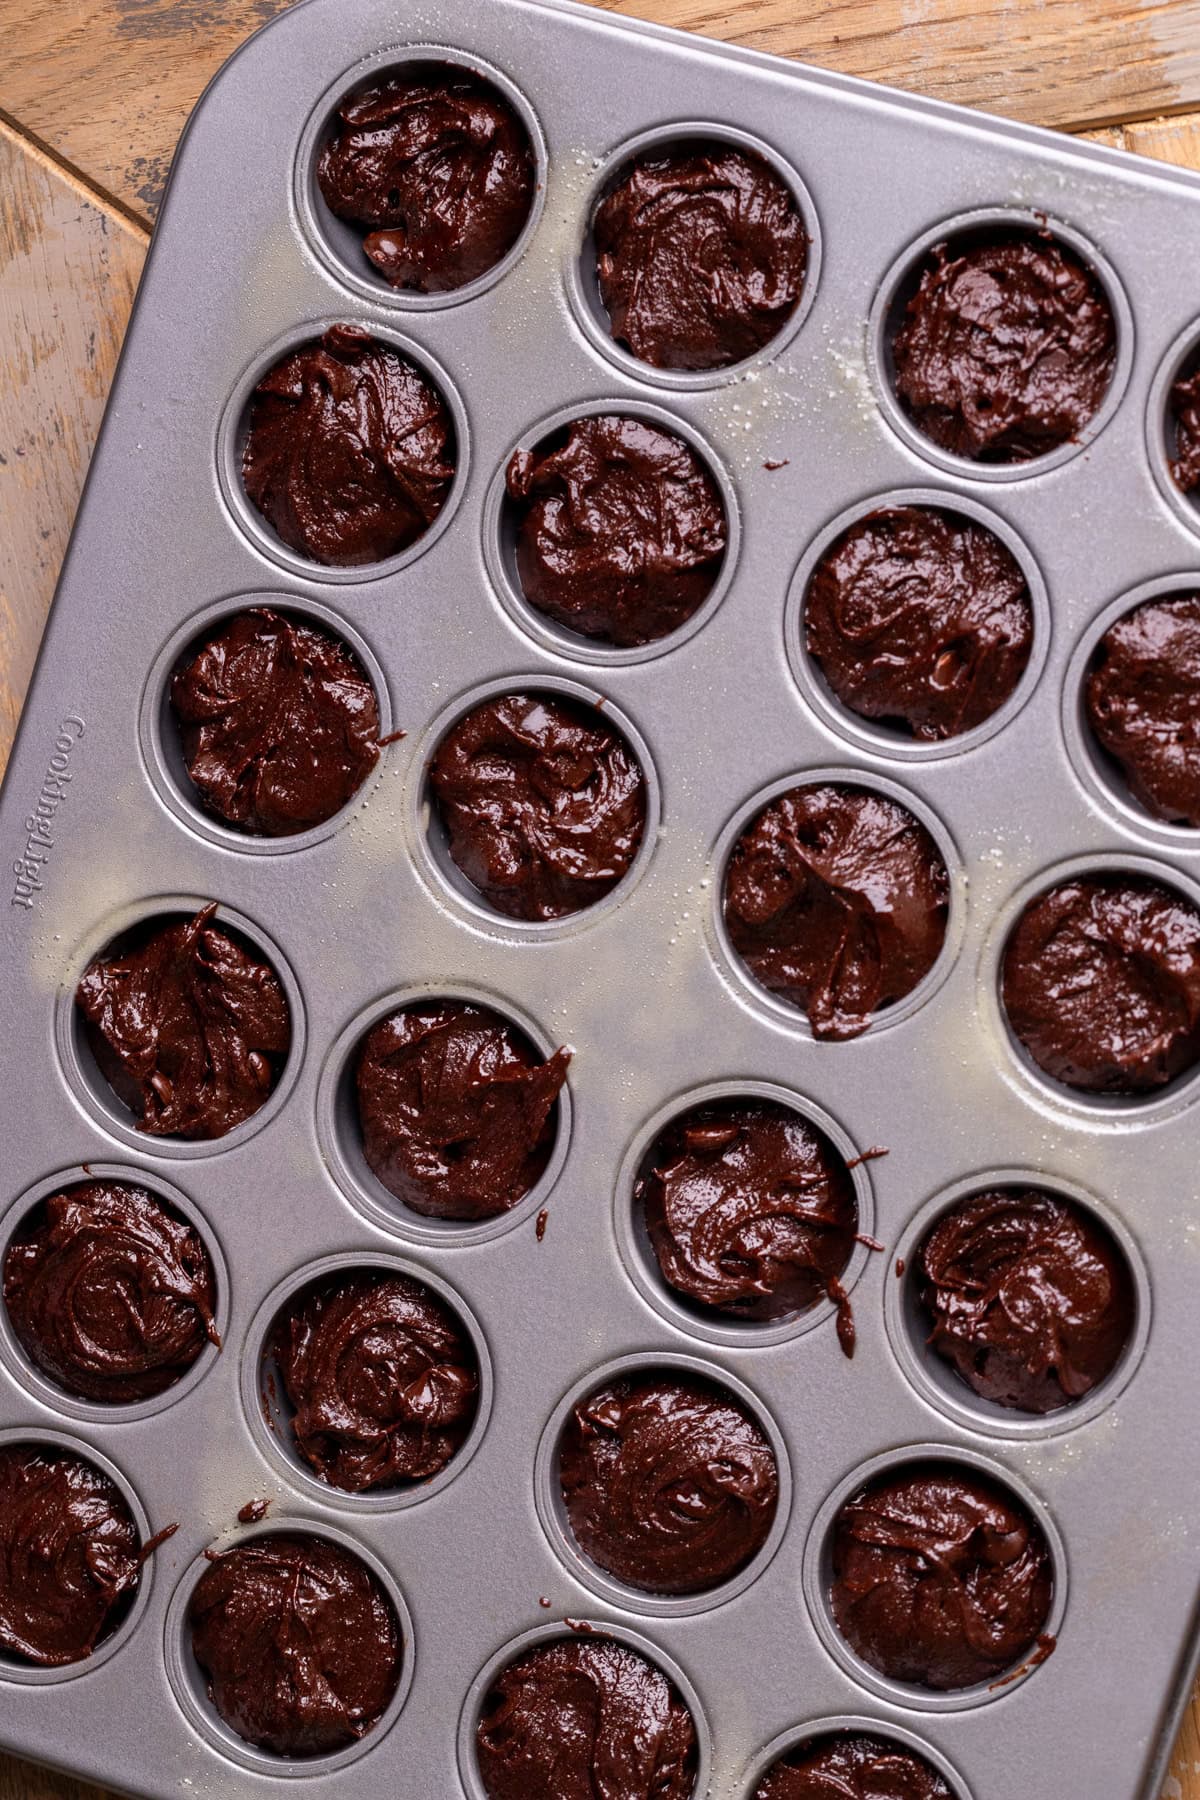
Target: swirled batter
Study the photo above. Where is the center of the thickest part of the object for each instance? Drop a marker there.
(700, 255)
(1184, 409)
(1101, 983)
(836, 898)
(438, 168)
(1028, 1297)
(750, 1210)
(383, 1378)
(111, 1294)
(543, 802)
(940, 1578)
(1143, 703)
(350, 450)
(188, 1027)
(622, 530)
(852, 1767)
(278, 721)
(70, 1555)
(922, 618)
(1006, 349)
(668, 1482)
(300, 1644)
(582, 1717)
(458, 1111)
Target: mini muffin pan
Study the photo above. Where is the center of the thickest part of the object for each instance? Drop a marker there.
(103, 832)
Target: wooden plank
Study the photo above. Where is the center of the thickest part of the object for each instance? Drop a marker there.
(68, 270)
(21, 1781)
(107, 84)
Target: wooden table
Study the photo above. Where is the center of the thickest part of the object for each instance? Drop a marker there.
(93, 94)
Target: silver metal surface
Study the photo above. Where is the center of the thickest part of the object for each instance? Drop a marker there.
(640, 987)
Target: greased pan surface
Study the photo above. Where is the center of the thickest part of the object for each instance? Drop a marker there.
(643, 987)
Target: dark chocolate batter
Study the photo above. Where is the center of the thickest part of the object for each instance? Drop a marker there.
(69, 1556)
(279, 723)
(543, 802)
(188, 1027)
(700, 256)
(1143, 703)
(1028, 1297)
(940, 1578)
(438, 168)
(299, 1642)
(350, 450)
(1184, 406)
(584, 1717)
(458, 1111)
(837, 899)
(1101, 983)
(622, 531)
(383, 1378)
(669, 1484)
(750, 1210)
(852, 1767)
(921, 618)
(1007, 347)
(111, 1294)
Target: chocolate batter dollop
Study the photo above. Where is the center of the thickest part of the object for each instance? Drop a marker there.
(438, 168)
(1101, 983)
(111, 1294)
(350, 450)
(581, 1717)
(852, 1767)
(70, 1556)
(669, 1484)
(700, 256)
(921, 618)
(1028, 1298)
(1184, 405)
(458, 1111)
(383, 1378)
(836, 898)
(1006, 349)
(1143, 703)
(940, 1578)
(750, 1210)
(543, 802)
(299, 1642)
(187, 1026)
(622, 530)
(278, 721)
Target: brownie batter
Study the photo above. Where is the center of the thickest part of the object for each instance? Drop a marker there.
(458, 1111)
(111, 1294)
(1101, 983)
(621, 531)
(850, 1767)
(299, 1642)
(920, 618)
(836, 898)
(669, 1484)
(350, 450)
(700, 256)
(581, 1717)
(1143, 703)
(1027, 1297)
(1184, 406)
(940, 1578)
(189, 1028)
(543, 802)
(279, 723)
(750, 1210)
(70, 1556)
(383, 1378)
(438, 168)
(1006, 349)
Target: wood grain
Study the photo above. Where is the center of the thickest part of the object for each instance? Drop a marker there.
(107, 84)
